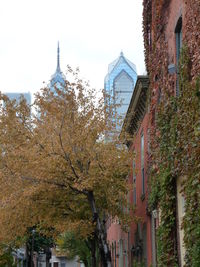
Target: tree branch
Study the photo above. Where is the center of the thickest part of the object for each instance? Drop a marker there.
(62, 147)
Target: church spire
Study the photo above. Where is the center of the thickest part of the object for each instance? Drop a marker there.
(58, 58)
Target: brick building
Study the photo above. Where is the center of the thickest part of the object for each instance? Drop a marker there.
(119, 85)
(135, 246)
(169, 26)
(136, 125)
(163, 120)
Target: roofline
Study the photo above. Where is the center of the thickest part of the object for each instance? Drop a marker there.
(126, 60)
(129, 64)
(141, 83)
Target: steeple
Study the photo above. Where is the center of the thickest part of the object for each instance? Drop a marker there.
(58, 59)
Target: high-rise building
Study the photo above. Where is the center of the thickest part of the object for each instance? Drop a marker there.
(58, 78)
(18, 95)
(119, 83)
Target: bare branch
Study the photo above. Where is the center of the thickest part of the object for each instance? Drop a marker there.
(68, 185)
(40, 181)
(62, 147)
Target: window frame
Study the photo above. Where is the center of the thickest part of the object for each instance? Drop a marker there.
(142, 162)
(134, 184)
(178, 46)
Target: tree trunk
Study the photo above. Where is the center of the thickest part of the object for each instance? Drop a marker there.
(28, 262)
(48, 256)
(85, 263)
(103, 246)
(93, 251)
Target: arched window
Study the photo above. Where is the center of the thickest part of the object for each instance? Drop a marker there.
(178, 34)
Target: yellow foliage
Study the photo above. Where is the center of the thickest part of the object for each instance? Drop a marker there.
(51, 160)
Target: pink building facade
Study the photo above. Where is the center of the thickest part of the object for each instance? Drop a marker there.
(135, 246)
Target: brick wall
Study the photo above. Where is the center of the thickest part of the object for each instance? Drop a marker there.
(159, 22)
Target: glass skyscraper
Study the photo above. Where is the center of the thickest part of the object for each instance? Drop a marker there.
(119, 83)
(18, 95)
(58, 78)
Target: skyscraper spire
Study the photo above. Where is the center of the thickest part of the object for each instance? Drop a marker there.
(58, 58)
(58, 78)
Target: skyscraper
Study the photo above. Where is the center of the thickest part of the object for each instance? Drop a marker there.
(18, 95)
(119, 83)
(58, 78)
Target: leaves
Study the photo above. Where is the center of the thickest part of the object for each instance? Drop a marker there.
(53, 158)
(176, 154)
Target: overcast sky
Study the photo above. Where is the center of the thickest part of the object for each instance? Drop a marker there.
(92, 33)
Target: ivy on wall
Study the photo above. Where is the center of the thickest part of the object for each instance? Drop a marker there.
(178, 155)
(174, 131)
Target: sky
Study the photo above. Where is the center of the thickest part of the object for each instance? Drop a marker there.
(91, 34)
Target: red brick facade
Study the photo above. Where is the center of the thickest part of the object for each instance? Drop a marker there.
(135, 246)
(160, 21)
(168, 26)
(140, 237)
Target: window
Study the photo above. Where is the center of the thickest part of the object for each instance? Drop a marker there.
(134, 184)
(142, 164)
(143, 181)
(62, 264)
(178, 35)
(181, 212)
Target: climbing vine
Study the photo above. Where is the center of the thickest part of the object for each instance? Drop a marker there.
(174, 129)
(178, 155)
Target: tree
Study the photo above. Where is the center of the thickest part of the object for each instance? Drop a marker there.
(36, 241)
(6, 256)
(74, 245)
(56, 168)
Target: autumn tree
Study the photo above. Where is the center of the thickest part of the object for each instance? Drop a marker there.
(56, 168)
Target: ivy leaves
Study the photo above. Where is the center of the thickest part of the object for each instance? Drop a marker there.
(177, 154)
